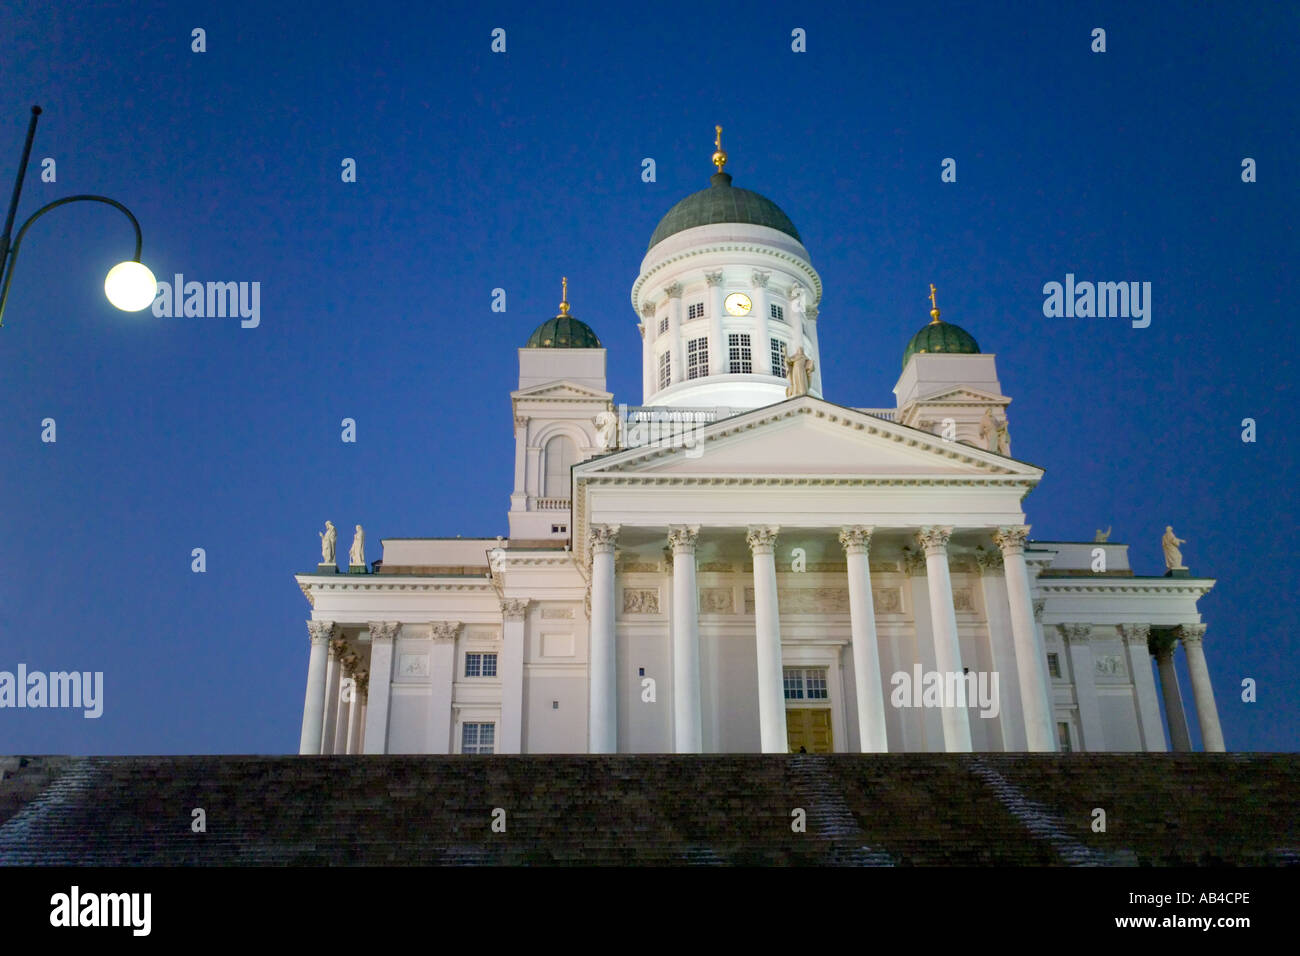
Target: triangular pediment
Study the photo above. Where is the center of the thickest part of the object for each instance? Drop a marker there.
(962, 395)
(809, 437)
(560, 391)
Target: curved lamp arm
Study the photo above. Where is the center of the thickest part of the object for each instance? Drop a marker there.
(12, 252)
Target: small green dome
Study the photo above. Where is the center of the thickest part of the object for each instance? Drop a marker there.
(722, 202)
(563, 332)
(941, 337)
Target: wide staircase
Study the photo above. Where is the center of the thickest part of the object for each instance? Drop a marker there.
(637, 810)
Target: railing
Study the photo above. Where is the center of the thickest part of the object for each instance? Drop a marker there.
(888, 414)
(551, 504)
(641, 425)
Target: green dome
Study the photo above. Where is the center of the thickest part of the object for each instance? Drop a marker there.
(941, 337)
(563, 332)
(721, 202)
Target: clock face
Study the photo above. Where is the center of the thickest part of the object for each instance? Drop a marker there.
(738, 304)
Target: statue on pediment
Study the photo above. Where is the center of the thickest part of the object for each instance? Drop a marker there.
(328, 539)
(1102, 536)
(1173, 556)
(798, 368)
(357, 553)
(606, 431)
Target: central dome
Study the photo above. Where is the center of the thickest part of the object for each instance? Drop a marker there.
(722, 202)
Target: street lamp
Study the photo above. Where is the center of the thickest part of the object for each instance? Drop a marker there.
(129, 285)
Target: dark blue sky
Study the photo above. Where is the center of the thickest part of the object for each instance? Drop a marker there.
(478, 171)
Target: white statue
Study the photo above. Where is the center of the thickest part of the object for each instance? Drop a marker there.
(796, 299)
(497, 560)
(607, 431)
(988, 431)
(799, 369)
(328, 538)
(1003, 437)
(1170, 543)
(1102, 536)
(357, 554)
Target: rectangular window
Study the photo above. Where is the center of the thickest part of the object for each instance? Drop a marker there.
(665, 370)
(1054, 666)
(695, 311)
(480, 665)
(1063, 737)
(741, 361)
(778, 313)
(697, 358)
(663, 324)
(778, 358)
(478, 738)
(805, 683)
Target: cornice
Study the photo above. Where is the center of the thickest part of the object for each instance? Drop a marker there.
(1125, 586)
(803, 266)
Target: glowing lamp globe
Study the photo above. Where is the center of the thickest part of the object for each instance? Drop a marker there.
(130, 286)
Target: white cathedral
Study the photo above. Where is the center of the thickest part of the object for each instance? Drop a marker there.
(739, 565)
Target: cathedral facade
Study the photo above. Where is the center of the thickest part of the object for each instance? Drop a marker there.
(737, 564)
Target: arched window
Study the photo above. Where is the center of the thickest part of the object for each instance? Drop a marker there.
(560, 455)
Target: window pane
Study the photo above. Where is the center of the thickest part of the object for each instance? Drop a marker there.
(741, 362)
(816, 684)
(697, 358)
(489, 665)
(778, 358)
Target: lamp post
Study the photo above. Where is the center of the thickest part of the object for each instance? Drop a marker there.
(129, 285)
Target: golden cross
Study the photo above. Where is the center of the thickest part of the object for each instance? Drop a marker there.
(718, 140)
(933, 305)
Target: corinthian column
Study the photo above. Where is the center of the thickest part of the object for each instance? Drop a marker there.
(333, 672)
(514, 614)
(1172, 694)
(1031, 657)
(1207, 714)
(1083, 667)
(767, 640)
(687, 733)
(947, 651)
(1144, 685)
(602, 729)
(313, 707)
(442, 666)
(375, 733)
(346, 698)
(867, 686)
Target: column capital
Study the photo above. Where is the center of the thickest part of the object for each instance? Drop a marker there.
(1039, 605)
(674, 290)
(1134, 633)
(934, 539)
(515, 609)
(319, 631)
(1191, 633)
(1075, 633)
(713, 278)
(603, 538)
(338, 647)
(349, 664)
(682, 537)
(1011, 538)
(913, 562)
(762, 538)
(383, 630)
(445, 630)
(759, 278)
(648, 310)
(362, 681)
(856, 539)
(988, 560)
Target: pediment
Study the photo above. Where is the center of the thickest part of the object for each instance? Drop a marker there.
(560, 391)
(809, 437)
(962, 395)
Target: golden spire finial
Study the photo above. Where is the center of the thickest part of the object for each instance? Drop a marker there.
(719, 157)
(934, 308)
(564, 295)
